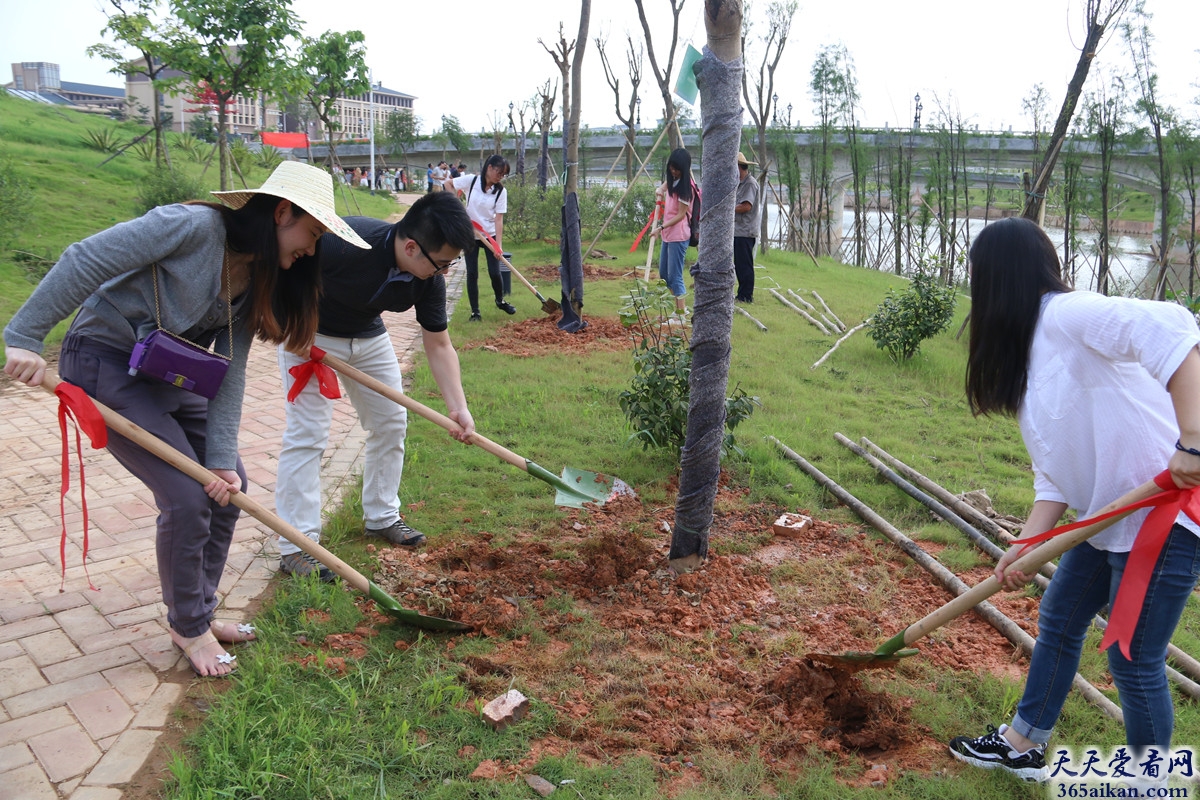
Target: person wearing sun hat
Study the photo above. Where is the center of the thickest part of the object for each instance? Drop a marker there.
(404, 269)
(211, 274)
(745, 229)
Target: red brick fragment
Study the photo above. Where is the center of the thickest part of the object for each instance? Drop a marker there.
(506, 709)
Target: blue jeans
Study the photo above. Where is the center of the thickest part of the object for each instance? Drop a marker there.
(670, 266)
(1087, 580)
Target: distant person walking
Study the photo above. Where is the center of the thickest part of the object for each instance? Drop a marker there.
(745, 230)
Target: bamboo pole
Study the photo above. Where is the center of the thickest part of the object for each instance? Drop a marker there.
(1187, 665)
(624, 194)
(838, 343)
(1010, 629)
(799, 311)
(824, 319)
(746, 314)
(841, 324)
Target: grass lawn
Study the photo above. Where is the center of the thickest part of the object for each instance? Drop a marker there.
(333, 701)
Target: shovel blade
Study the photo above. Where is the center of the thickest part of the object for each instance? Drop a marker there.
(589, 487)
(388, 605)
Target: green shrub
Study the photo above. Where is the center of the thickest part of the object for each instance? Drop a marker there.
(534, 215)
(16, 201)
(656, 404)
(164, 186)
(269, 157)
(105, 140)
(143, 149)
(904, 320)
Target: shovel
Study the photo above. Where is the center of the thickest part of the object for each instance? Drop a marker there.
(187, 466)
(897, 647)
(549, 306)
(575, 487)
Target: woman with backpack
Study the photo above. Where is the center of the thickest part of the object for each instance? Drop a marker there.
(675, 197)
(487, 202)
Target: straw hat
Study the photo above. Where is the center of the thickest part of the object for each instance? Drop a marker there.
(306, 186)
(742, 162)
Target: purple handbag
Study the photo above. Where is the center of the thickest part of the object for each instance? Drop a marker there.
(176, 360)
(180, 363)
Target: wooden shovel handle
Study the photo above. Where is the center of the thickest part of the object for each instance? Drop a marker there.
(151, 443)
(378, 386)
(507, 263)
(1028, 564)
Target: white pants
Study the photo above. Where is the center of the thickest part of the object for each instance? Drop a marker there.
(298, 482)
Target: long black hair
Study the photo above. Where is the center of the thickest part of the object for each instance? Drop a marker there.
(494, 160)
(283, 303)
(681, 159)
(1013, 264)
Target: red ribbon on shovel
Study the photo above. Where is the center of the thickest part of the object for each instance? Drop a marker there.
(73, 402)
(326, 377)
(487, 237)
(1139, 568)
(649, 223)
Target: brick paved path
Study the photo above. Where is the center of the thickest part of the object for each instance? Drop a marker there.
(85, 676)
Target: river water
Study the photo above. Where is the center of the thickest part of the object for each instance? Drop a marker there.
(1130, 257)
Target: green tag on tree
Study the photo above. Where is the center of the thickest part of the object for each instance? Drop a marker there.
(685, 85)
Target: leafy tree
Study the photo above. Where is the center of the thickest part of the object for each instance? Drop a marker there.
(1098, 15)
(663, 76)
(1186, 144)
(834, 93)
(633, 59)
(401, 131)
(237, 47)
(1105, 121)
(332, 67)
(1137, 35)
(134, 23)
(779, 25)
(452, 132)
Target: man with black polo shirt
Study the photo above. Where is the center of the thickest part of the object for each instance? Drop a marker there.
(403, 269)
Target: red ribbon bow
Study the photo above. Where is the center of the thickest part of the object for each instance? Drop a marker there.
(326, 378)
(649, 223)
(73, 402)
(487, 238)
(1139, 568)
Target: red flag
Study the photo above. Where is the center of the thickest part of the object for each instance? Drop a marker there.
(285, 139)
(326, 379)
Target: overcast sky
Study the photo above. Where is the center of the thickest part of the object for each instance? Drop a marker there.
(471, 58)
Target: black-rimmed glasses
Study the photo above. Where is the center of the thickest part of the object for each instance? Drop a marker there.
(436, 266)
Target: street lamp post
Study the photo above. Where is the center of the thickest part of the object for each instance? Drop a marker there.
(789, 116)
(917, 114)
(638, 122)
(775, 109)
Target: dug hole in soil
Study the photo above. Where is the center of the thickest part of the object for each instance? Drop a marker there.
(713, 659)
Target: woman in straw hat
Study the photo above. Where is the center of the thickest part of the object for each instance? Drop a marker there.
(209, 273)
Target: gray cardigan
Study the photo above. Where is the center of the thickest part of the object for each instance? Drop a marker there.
(108, 277)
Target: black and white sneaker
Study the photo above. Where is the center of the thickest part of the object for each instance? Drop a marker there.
(507, 308)
(302, 564)
(399, 533)
(992, 751)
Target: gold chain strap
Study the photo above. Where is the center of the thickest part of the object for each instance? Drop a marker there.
(228, 304)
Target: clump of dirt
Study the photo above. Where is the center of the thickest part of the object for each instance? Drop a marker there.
(719, 657)
(540, 336)
(548, 273)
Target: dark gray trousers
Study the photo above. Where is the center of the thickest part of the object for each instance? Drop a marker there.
(194, 533)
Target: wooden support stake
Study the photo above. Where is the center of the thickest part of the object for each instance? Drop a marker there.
(1188, 665)
(746, 314)
(841, 324)
(799, 311)
(838, 343)
(948, 579)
